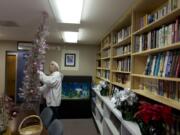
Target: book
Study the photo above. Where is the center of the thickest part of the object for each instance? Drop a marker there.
(165, 63)
(161, 66)
(153, 64)
(169, 63)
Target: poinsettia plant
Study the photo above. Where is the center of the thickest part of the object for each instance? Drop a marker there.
(153, 117)
(154, 112)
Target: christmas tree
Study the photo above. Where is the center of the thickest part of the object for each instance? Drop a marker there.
(34, 62)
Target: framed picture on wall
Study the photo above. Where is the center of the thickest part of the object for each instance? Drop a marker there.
(70, 60)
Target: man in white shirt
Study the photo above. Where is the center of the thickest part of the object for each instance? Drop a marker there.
(52, 87)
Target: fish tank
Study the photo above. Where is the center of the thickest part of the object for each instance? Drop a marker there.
(76, 88)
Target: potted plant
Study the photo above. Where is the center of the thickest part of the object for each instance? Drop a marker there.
(127, 102)
(153, 117)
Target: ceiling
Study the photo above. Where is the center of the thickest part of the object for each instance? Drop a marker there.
(98, 16)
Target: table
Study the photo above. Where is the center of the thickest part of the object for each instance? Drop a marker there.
(14, 123)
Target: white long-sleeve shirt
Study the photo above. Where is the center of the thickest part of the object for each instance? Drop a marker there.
(52, 88)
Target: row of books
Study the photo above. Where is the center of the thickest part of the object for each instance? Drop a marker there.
(123, 49)
(121, 35)
(159, 13)
(106, 64)
(124, 64)
(106, 74)
(164, 36)
(166, 64)
(120, 78)
(106, 53)
(169, 89)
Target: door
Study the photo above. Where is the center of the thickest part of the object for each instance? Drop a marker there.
(11, 74)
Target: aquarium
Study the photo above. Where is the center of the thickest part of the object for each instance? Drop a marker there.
(75, 89)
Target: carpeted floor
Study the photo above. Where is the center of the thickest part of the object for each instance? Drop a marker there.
(79, 127)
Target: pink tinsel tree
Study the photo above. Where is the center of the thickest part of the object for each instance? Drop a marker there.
(35, 61)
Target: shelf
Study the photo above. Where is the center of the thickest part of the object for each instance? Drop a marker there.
(126, 41)
(105, 68)
(99, 125)
(156, 50)
(158, 98)
(121, 56)
(98, 59)
(132, 127)
(100, 109)
(157, 78)
(102, 78)
(162, 21)
(123, 72)
(98, 68)
(105, 58)
(106, 47)
(98, 77)
(111, 126)
(120, 85)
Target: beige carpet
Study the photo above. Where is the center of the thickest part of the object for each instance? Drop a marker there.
(79, 127)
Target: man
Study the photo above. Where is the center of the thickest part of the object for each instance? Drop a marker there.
(52, 87)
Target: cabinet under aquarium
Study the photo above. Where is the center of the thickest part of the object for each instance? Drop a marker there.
(76, 94)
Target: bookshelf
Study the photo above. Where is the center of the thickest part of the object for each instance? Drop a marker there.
(123, 42)
(121, 56)
(161, 99)
(143, 20)
(156, 50)
(154, 80)
(147, 79)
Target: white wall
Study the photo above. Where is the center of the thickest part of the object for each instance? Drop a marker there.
(87, 59)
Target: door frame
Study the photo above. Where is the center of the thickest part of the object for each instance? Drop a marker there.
(15, 53)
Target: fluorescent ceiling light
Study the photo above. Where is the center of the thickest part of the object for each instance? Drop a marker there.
(70, 37)
(67, 11)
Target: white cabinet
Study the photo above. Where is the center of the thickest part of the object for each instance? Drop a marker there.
(109, 120)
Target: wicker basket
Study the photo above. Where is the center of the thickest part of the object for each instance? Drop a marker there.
(32, 129)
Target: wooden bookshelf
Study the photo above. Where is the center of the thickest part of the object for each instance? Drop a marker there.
(157, 78)
(98, 68)
(105, 58)
(167, 101)
(98, 77)
(98, 59)
(126, 40)
(106, 47)
(117, 71)
(162, 21)
(138, 59)
(121, 56)
(105, 68)
(105, 79)
(157, 50)
(120, 85)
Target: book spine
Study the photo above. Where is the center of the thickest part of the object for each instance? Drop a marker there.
(168, 66)
(176, 30)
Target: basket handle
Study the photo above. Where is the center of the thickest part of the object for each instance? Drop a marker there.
(28, 117)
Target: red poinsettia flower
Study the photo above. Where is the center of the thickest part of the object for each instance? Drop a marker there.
(154, 112)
